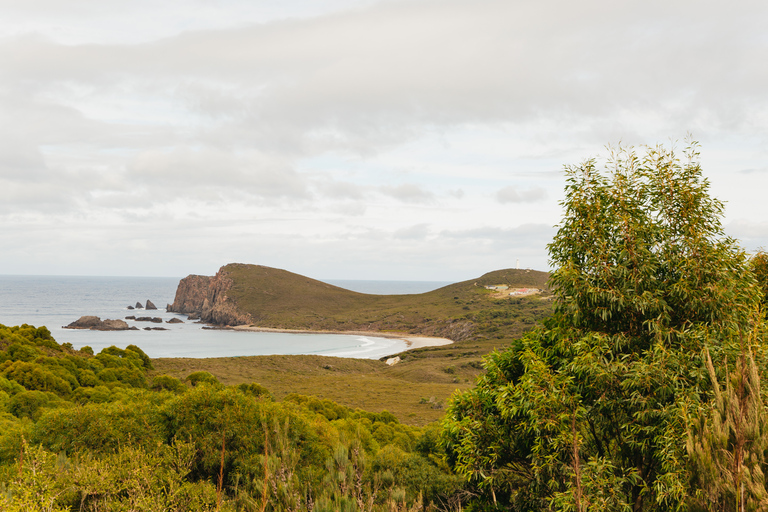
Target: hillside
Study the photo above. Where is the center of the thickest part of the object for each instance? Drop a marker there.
(267, 297)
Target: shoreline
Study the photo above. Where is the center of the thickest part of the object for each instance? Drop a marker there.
(411, 341)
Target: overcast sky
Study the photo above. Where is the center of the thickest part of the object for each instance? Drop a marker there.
(405, 140)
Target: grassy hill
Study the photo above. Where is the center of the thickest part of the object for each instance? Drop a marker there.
(281, 299)
(414, 390)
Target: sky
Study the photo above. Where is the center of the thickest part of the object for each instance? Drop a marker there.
(339, 139)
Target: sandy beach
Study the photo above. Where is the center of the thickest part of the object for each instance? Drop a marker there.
(410, 340)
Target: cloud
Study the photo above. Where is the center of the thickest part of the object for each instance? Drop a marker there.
(335, 189)
(525, 231)
(415, 232)
(288, 122)
(251, 172)
(345, 79)
(512, 194)
(750, 230)
(761, 170)
(407, 193)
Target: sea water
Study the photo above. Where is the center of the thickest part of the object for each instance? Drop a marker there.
(56, 301)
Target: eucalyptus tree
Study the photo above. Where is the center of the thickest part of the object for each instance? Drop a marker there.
(592, 410)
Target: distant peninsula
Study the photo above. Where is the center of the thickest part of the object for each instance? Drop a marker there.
(258, 296)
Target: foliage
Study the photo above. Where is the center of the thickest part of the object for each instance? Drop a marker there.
(108, 442)
(168, 383)
(727, 445)
(758, 264)
(590, 411)
(201, 378)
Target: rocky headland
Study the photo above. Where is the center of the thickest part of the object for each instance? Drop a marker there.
(261, 297)
(206, 298)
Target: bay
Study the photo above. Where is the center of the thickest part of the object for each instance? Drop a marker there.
(55, 301)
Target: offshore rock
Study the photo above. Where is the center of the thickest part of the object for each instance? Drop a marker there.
(95, 323)
(139, 306)
(175, 321)
(156, 319)
(207, 297)
(150, 305)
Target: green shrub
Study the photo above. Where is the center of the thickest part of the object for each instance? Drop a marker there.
(9, 386)
(100, 427)
(256, 390)
(31, 404)
(201, 378)
(22, 352)
(168, 383)
(34, 376)
(145, 360)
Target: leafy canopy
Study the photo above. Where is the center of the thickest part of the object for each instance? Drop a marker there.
(591, 410)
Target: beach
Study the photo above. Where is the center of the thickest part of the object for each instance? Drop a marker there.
(410, 340)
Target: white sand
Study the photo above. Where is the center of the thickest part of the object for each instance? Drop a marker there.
(422, 341)
(412, 341)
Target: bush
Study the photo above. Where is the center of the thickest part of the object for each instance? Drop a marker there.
(168, 383)
(256, 390)
(196, 378)
(31, 404)
(100, 427)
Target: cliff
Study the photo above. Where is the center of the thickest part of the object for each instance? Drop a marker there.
(207, 298)
(190, 295)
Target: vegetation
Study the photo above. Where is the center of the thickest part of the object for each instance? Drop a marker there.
(614, 404)
(415, 390)
(467, 310)
(96, 432)
(758, 264)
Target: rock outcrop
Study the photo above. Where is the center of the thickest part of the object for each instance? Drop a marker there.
(175, 321)
(95, 323)
(138, 306)
(207, 298)
(155, 319)
(150, 305)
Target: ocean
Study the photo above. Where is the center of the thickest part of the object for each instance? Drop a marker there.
(55, 301)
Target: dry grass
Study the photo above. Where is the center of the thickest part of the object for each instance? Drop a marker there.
(415, 390)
